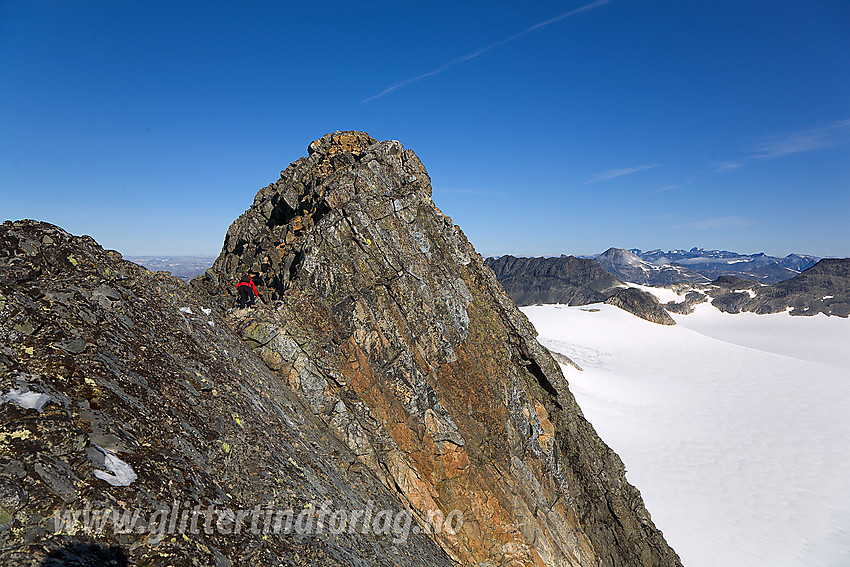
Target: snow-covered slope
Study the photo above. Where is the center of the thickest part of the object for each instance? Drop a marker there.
(734, 427)
(820, 339)
(629, 268)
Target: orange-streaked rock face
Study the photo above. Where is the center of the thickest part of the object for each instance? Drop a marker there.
(384, 319)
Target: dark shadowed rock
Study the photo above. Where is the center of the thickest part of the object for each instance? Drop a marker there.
(823, 288)
(566, 280)
(734, 282)
(641, 303)
(383, 319)
(692, 299)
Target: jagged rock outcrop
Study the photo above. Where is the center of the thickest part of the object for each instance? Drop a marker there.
(823, 288)
(691, 300)
(381, 316)
(641, 303)
(120, 389)
(566, 280)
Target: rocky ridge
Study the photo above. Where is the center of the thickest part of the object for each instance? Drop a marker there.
(380, 315)
(823, 288)
(641, 303)
(121, 389)
(566, 280)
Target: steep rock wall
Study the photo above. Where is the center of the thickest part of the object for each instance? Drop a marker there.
(382, 317)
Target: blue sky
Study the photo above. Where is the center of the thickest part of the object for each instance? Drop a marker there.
(548, 127)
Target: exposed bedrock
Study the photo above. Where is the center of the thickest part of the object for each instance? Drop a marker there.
(384, 320)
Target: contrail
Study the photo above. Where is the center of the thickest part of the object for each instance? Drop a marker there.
(612, 173)
(483, 50)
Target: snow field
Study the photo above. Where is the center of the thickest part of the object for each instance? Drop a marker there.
(738, 439)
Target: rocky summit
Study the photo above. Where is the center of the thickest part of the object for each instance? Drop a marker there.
(384, 369)
(641, 303)
(383, 318)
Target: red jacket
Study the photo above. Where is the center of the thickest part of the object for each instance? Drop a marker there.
(249, 283)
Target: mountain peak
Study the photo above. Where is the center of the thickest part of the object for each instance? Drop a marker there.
(621, 254)
(332, 143)
(629, 267)
(386, 322)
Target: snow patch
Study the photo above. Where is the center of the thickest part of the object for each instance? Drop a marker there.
(749, 292)
(186, 310)
(122, 474)
(206, 310)
(27, 400)
(662, 294)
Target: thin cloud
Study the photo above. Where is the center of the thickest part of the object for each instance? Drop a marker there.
(661, 216)
(727, 166)
(809, 139)
(805, 140)
(612, 173)
(483, 50)
(718, 222)
(665, 188)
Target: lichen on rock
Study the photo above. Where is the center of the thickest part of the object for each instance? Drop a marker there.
(151, 408)
(381, 316)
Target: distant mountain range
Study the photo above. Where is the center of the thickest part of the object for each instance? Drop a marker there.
(572, 281)
(183, 267)
(628, 266)
(822, 288)
(715, 263)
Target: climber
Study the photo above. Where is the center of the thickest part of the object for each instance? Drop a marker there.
(247, 291)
